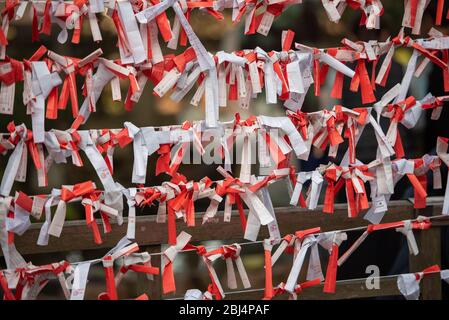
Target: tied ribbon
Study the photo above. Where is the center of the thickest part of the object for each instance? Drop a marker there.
(301, 123)
(314, 189)
(184, 200)
(7, 293)
(332, 175)
(123, 40)
(21, 132)
(214, 288)
(163, 162)
(91, 202)
(422, 223)
(427, 271)
(286, 245)
(108, 141)
(435, 166)
(174, 187)
(69, 88)
(46, 22)
(30, 204)
(405, 227)
(234, 191)
(307, 284)
(440, 63)
(304, 241)
(32, 146)
(268, 292)
(11, 72)
(280, 74)
(292, 176)
(407, 167)
(396, 112)
(73, 18)
(68, 193)
(32, 279)
(354, 179)
(331, 271)
(280, 289)
(408, 284)
(174, 166)
(168, 258)
(20, 140)
(362, 81)
(352, 130)
(111, 290)
(275, 175)
(108, 267)
(148, 196)
(419, 185)
(330, 133)
(163, 23)
(436, 103)
(69, 141)
(14, 72)
(230, 188)
(421, 175)
(136, 262)
(231, 253)
(407, 230)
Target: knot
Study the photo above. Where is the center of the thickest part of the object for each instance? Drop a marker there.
(288, 238)
(362, 116)
(107, 261)
(339, 114)
(307, 284)
(347, 173)
(283, 56)
(279, 290)
(363, 173)
(435, 163)
(301, 234)
(334, 136)
(232, 251)
(301, 123)
(435, 102)
(70, 192)
(163, 162)
(333, 173)
(18, 132)
(181, 241)
(422, 223)
(229, 185)
(201, 250)
(432, 269)
(397, 112)
(149, 195)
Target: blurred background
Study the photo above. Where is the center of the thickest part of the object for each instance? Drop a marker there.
(312, 27)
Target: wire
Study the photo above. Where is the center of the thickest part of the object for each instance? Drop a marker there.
(338, 281)
(439, 217)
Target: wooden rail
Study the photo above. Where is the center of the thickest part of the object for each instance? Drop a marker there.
(151, 236)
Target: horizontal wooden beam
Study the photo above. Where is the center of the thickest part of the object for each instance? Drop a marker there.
(77, 236)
